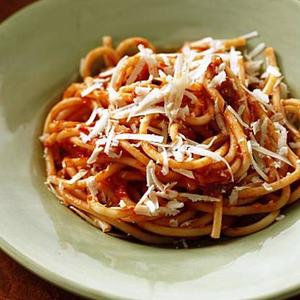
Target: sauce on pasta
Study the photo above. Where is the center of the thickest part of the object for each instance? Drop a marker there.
(165, 146)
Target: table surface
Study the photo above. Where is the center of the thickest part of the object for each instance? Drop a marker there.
(17, 283)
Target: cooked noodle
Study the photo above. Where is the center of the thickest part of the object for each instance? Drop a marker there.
(165, 146)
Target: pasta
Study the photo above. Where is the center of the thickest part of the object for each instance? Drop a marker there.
(167, 146)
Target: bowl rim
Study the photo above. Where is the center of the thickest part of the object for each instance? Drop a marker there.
(72, 285)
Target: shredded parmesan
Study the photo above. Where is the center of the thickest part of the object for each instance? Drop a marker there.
(256, 126)
(267, 187)
(93, 116)
(208, 153)
(117, 71)
(253, 66)
(271, 70)
(261, 96)
(254, 163)
(280, 217)
(147, 54)
(250, 35)
(109, 140)
(97, 150)
(122, 203)
(151, 176)
(174, 204)
(140, 137)
(198, 73)
(237, 116)
(92, 186)
(282, 135)
(218, 79)
(97, 85)
(255, 146)
(234, 61)
(113, 95)
(196, 197)
(77, 176)
(100, 124)
(165, 168)
(136, 71)
(256, 51)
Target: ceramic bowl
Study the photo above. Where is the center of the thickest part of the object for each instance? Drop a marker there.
(40, 49)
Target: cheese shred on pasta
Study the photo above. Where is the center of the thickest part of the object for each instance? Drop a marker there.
(166, 146)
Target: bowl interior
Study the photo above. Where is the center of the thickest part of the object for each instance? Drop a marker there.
(39, 56)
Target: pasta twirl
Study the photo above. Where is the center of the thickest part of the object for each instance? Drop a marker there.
(165, 146)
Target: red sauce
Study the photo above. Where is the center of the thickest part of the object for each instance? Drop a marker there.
(229, 94)
(209, 176)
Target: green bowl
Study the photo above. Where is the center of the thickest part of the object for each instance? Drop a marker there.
(40, 49)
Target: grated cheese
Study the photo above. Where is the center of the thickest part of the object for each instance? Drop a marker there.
(177, 85)
(197, 197)
(267, 187)
(282, 135)
(153, 138)
(122, 203)
(95, 86)
(280, 217)
(117, 71)
(142, 90)
(165, 168)
(92, 186)
(93, 116)
(198, 73)
(107, 73)
(218, 79)
(154, 97)
(264, 128)
(151, 176)
(140, 208)
(234, 61)
(174, 204)
(256, 51)
(261, 96)
(100, 124)
(255, 146)
(256, 126)
(236, 115)
(97, 150)
(109, 140)
(272, 70)
(253, 66)
(147, 55)
(113, 95)
(250, 35)
(77, 176)
(207, 153)
(135, 72)
(255, 165)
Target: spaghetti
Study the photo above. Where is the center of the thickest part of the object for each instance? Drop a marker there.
(161, 146)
